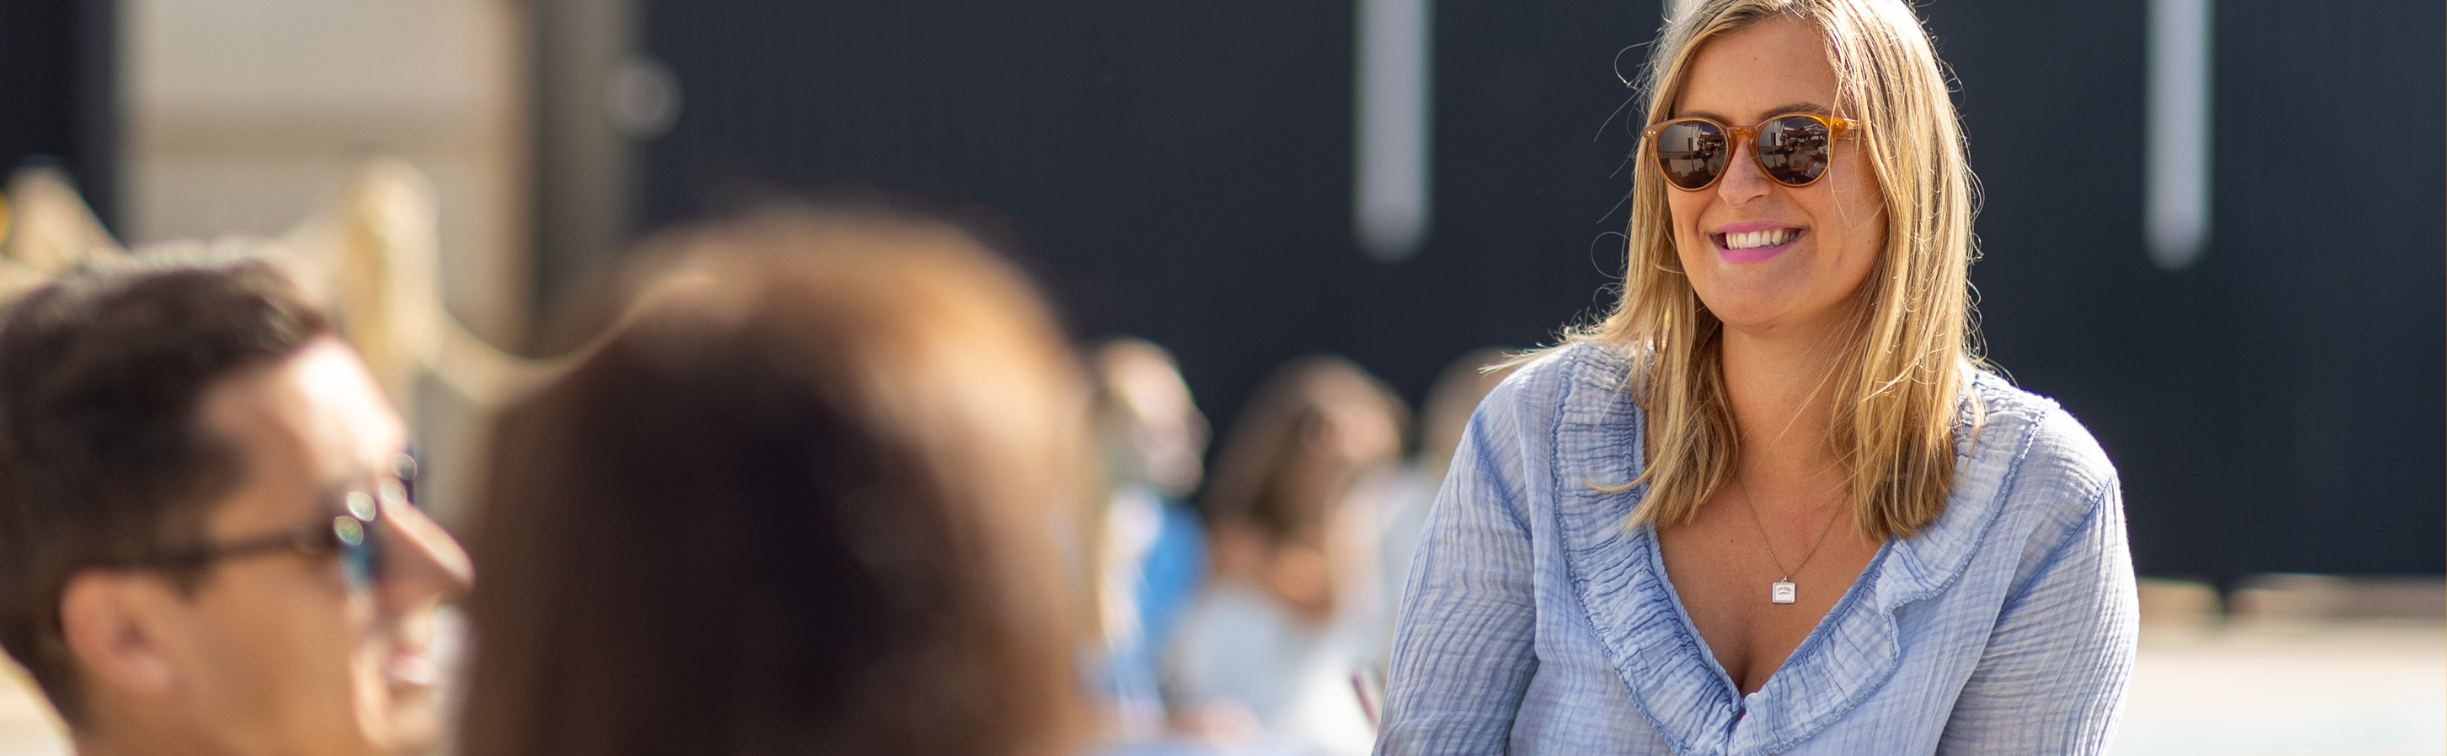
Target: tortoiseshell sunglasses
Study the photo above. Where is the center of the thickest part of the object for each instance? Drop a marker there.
(1793, 149)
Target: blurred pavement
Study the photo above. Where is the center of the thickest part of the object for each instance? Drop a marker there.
(27, 726)
(2289, 688)
(2253, 686)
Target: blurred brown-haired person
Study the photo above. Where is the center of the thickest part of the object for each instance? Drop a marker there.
(809, 499)
(1285, 629)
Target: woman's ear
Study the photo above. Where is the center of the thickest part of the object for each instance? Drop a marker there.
(110, 621)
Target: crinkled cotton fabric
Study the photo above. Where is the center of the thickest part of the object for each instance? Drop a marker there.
(1536, 621)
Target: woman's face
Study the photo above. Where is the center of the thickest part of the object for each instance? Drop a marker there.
(1819, 241)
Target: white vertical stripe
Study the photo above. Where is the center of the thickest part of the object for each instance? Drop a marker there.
(2176, 210)
(1391, 192)
(1675, 9)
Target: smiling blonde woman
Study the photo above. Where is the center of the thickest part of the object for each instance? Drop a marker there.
(1772, 504)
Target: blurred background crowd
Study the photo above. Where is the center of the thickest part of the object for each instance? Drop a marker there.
(1284, 241)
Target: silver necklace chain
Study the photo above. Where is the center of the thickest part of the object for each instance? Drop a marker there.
(1771, 545)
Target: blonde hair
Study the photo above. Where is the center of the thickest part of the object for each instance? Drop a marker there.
(1894, 396)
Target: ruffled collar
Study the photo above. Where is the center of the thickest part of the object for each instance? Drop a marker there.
(1620, 578)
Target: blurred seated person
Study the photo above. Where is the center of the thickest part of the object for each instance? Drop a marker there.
(811, 498)
(205, 542)
(1284, 630)
(1154, 443)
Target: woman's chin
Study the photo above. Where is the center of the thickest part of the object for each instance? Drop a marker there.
(1763, 316)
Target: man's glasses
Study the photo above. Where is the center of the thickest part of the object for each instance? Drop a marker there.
(354, 531)
(1793, 149)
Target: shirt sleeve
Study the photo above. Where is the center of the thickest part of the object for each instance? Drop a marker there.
(2052, 679)
(1462, 648)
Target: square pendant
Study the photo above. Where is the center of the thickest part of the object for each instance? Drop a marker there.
(1780, 592)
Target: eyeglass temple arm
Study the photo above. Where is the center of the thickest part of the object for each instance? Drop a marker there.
(308, 540)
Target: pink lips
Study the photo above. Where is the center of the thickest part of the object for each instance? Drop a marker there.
(1753, 254)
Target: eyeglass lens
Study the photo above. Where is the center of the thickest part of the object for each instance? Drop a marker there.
(356, 550)
(1692, 153)
(359, 531)
(1792, 150)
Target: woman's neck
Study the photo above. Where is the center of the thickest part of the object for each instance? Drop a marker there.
(1781, 385)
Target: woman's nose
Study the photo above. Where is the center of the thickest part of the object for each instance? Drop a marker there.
(1743, 181)
(423, 563)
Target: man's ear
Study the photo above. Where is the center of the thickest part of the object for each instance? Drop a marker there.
(113, 624)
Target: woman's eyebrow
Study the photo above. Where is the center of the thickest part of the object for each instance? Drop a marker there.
(1811, 108)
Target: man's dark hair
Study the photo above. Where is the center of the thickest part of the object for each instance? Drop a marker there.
(101, 459)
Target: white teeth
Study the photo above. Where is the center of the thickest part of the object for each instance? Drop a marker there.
(1767, 237)
(417, 670)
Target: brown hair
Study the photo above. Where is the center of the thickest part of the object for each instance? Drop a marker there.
(804, 502)
(101, 460)
(1252, 483)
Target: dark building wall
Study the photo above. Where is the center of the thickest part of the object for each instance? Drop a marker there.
(57, 95)
(2278, 405)
(1182, 171)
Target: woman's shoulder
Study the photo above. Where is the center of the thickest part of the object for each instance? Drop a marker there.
(2027, 477)
(1572, 375)
(2055, 449)
(1567, 410)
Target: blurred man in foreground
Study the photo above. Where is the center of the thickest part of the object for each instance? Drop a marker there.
(206, 544)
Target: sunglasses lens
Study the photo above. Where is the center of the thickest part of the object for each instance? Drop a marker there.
(1691, 153)
(350, 530)
(361, 505)
(360, 549)
(1793, 149)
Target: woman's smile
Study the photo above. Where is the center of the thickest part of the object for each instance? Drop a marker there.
(1741, 243)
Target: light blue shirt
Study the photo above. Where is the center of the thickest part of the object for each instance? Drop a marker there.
(1535, 622)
